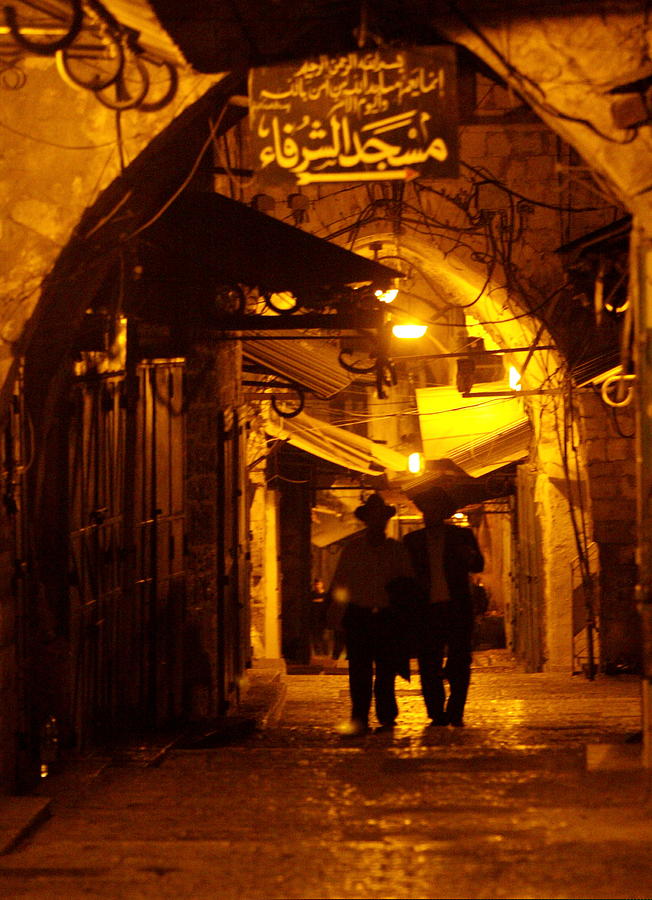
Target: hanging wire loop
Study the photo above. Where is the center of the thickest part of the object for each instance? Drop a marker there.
(43, 49)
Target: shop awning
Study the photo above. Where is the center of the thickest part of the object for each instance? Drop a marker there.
(210, 237)
(479, 434)
(312, 364)
(337, 445)
(463, 489)
(494, 450)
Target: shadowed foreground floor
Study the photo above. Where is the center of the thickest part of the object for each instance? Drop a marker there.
(503, 808)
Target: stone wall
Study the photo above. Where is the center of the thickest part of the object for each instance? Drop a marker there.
(609, 448)
(60, 150)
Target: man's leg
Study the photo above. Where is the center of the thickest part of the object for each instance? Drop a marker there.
(385, 692)
(458, 671)
(431, 658)
(432, 684)
(361, 670)
(359, 645)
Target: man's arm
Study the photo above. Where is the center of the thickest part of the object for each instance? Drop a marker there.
(467, 551)
(476, 559)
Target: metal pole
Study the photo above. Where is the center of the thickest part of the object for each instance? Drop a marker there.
(220, 559)
(641, 264)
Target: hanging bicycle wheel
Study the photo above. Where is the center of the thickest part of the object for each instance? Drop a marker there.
(283, 302)
(229, 299)
(129, 90)
(349, 361)
(94, 63)
(163, 84)
(68, 30)
(289, 404)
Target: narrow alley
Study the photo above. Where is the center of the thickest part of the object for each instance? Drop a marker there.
(514, 805)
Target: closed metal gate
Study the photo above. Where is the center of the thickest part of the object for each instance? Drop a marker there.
(126, 520)
(95, 511)
(158, 576)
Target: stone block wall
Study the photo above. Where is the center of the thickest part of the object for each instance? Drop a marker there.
(60, 150)
(609, 448)
(256, 460)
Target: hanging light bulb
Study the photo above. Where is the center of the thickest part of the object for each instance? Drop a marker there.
(389, 295)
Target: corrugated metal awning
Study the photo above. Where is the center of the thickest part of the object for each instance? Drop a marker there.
(337, 445)
(493, 451)
(312, 364)
(479, 433)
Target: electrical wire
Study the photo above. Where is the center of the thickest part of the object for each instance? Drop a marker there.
(617, 426)
(48, 143)
(489, 178)
(191, 174)
(580, 531)
(119, 140)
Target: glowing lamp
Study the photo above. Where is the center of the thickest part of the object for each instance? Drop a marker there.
(390, 294)
(415, 463)
(387, 296)
(515, 379)
(409, 331)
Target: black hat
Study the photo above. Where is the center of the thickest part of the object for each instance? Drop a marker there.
(435, 499)
(374, 503)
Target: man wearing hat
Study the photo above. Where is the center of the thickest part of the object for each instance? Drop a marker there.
(367, 564)
(442, 557)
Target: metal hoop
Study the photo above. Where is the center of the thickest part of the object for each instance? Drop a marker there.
(45, 49)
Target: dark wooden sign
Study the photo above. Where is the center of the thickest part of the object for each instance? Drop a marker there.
(376, 115)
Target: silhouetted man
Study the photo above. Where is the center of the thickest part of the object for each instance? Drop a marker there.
(368, 563)
(442, 557)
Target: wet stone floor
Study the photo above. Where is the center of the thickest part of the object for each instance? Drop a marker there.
(503, 808)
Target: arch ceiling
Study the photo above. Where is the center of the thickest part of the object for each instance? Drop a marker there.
(446, 288)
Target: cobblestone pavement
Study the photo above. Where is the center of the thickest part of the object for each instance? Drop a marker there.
(503, 808)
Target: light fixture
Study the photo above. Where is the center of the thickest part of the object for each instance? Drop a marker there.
(389, 295)
(415, 463)
(263, 203)
(409, 331)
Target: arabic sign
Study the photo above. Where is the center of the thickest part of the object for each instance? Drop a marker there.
(377, 115)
